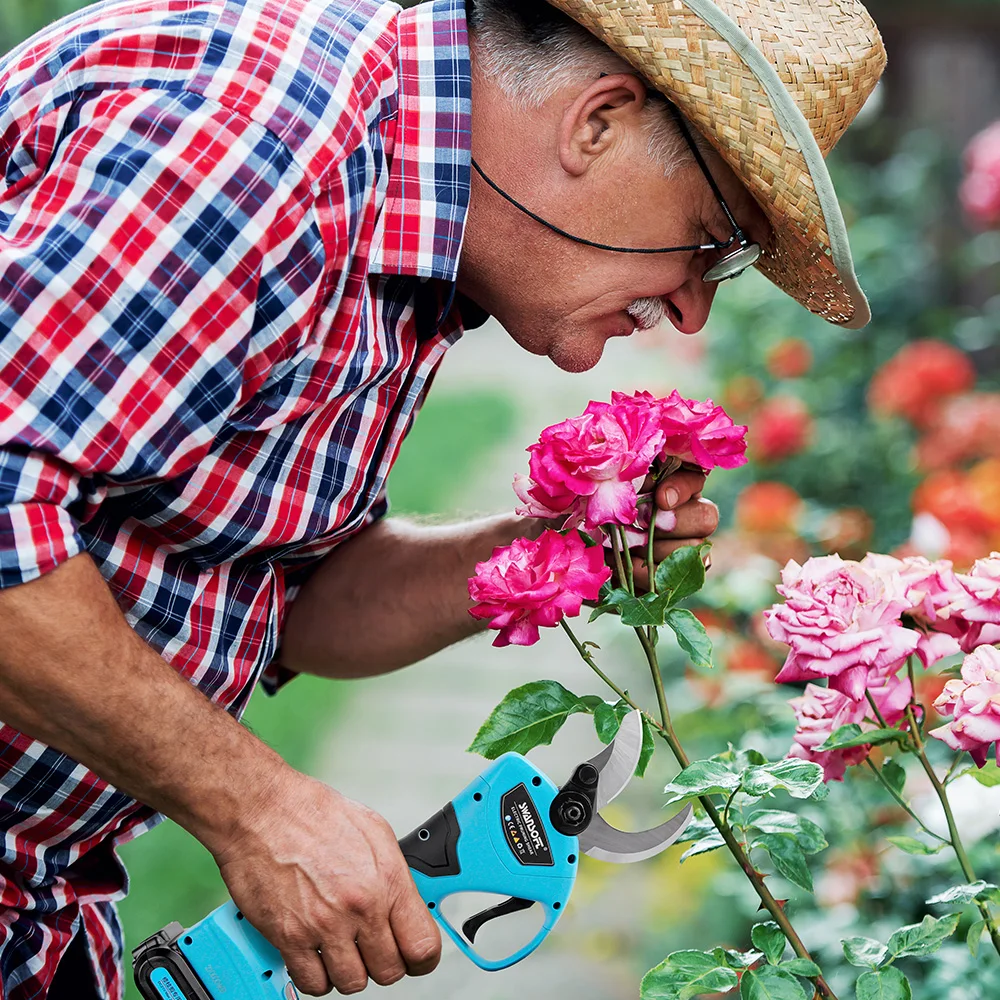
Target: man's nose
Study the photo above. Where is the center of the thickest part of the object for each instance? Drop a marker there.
(688, 306)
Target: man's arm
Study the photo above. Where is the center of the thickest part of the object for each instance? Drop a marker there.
(311, 870)
(397, 591)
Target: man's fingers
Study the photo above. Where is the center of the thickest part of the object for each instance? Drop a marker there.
(696, 519)
(417, 935)
(379, 953)
(308, 972)
(344, 966)
(678, 488)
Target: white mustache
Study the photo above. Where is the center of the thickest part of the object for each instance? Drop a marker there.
(647, 313)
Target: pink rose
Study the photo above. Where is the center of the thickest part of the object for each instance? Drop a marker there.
(700, 433)
(591, 465)
(819, 712)
(840, 620)
(974, 701)
(980, 190)
(890, 692)
(531, 583)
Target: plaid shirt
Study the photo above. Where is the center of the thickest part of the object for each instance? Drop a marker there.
(229, 235)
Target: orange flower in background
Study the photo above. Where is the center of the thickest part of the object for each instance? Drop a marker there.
(748, 657)
(967, 427)
(767, 507)
(847, 532)
(789, 358)
(782, 427)
(953, 499)
(915, 382)
(742, 395)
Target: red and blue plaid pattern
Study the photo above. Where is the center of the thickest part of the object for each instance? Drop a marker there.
(229, 233)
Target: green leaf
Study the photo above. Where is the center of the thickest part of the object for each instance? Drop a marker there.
(864, 951)
(975, 933)
(852, 735)
(528, 716)
(924, 938)
(769, 983)
(711, 842)
(684, 975)
(988, 774)
(606, 722)
(770, 939)
(894, 775)
(737, 760)
(799, 778)
(648, 747)
(701, 777)
(886, 984)
(691, 637)
(682, 573)
(610, 600)
(807, 834)
(801, 967)
(736, 959)
(649, 609)
(913, 846)
(787, 857)
(965, 893)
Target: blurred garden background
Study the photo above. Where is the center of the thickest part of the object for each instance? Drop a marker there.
(885, 439)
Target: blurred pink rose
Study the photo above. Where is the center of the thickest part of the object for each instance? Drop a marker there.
(591, 465)
(975, 611)
(974, 701)
(531, 583)
(697, 432)
(980, 189)
(820, 711)
(840, 620)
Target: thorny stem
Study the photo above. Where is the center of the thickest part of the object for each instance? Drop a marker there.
(892, 791)
(627, 559)
(665, 730)
(956, 840)
(613, 538)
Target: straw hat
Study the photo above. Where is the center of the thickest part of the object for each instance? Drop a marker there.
(772, 84)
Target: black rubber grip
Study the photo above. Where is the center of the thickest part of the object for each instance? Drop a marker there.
(432, 849)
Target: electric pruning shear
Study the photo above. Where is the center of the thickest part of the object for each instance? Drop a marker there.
(511, 832)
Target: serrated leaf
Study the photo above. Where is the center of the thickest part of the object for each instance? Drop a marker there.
(684, 975)
(711, 842)
(770, 939)
(737, 959)
(988, 774)
(787, 858)
(974, 935)
(737, 760)
(894, 775)
(967, 893)
(606, 722)
(799, 778)
(528, 716)
(682, 573)
(770, 983)
(701, 777)
(864, 951)
(913, 846)
(886, 984)
(807, 834)
(647, 749)
(924, 938)
(852, 735)
(691, 637)
(801, 967)
(650, 609)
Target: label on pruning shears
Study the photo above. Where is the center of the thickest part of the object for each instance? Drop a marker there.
(523, 828)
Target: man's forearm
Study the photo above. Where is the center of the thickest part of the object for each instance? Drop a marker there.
(74, 675)
(392, 595)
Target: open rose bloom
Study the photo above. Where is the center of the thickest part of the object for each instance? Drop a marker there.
(856, 623)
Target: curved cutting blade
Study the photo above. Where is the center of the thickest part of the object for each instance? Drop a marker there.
(616, 763)
(602, 841)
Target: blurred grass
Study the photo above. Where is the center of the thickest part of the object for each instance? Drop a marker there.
(172, 876)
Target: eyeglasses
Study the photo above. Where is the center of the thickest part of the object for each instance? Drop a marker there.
(731, 265)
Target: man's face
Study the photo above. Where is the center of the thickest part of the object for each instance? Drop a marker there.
(559, 298)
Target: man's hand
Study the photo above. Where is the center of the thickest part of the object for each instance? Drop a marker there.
(697, 518)
(323, 879)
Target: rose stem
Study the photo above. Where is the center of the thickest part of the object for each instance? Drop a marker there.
(878, 714)
(650, 561)
(627, 559)
(958, 760)
(666, 731)
(613, 538)
(956, 840)
(892, 791)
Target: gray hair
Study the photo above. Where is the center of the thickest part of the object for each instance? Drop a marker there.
(531, 50)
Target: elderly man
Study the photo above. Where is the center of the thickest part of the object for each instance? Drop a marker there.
(236, 238)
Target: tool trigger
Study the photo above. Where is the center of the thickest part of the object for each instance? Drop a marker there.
(513, 905)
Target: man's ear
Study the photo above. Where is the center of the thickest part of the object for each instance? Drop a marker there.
(597, 118)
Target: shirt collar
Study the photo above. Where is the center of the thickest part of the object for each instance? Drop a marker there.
(420, 229)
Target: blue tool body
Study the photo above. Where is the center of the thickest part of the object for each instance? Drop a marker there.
(496, 836)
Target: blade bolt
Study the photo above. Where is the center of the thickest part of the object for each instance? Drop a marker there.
(587, 775)
(571, 812)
